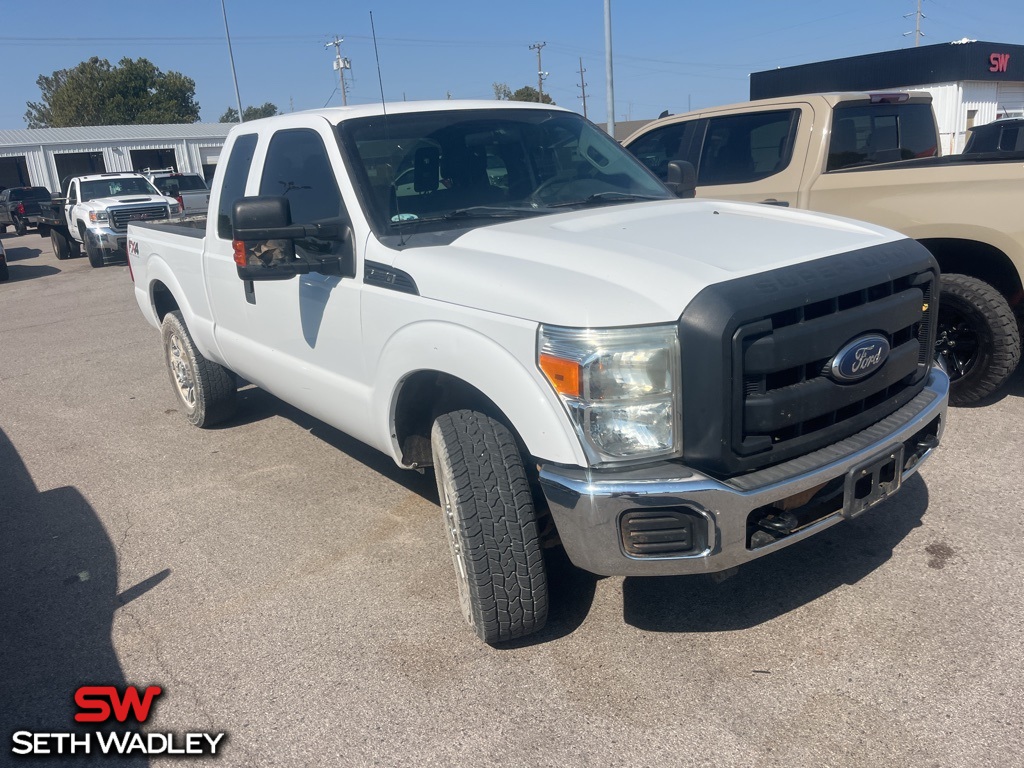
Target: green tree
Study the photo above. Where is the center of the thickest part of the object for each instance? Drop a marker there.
(135, 92)
(249, 113)
(527, 93)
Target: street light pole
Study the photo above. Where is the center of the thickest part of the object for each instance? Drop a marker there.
(608, 66)
(231, 57)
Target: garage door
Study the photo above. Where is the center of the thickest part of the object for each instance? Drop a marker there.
(1010, 98)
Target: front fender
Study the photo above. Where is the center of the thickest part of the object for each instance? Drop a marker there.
(494, 367)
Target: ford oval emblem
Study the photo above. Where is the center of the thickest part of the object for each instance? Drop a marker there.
(860, 358)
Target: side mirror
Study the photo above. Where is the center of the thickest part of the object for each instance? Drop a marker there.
(264, 239)
(682, 179)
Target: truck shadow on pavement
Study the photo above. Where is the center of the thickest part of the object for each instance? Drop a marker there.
(778, 583)
(58, 594)
(21, 254)
(571, 590)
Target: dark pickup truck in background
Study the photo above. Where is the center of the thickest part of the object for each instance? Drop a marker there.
(22, 207)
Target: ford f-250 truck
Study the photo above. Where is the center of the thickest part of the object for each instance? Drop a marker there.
(94, 212)
(665, 386)
(874, 157)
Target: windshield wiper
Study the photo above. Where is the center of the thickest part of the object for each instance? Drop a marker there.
(490, 212)
(609, 196)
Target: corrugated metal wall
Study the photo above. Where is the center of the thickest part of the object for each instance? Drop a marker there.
(1011, 99)
(42, 168)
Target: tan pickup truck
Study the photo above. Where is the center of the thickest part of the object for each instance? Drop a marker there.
(874, 157)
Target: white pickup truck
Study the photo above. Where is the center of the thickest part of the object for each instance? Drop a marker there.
(94, 212)
(501, 292)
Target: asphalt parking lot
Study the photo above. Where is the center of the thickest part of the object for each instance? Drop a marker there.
(289, 587)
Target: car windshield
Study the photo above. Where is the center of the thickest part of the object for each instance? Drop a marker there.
(172, 185)
(436, 170)
(124, 185)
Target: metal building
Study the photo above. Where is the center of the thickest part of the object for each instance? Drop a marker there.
(43, 156)
(971, 82)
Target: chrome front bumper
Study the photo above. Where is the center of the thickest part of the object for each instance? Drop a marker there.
(588, 505)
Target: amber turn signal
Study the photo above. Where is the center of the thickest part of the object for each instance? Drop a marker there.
(564, 375)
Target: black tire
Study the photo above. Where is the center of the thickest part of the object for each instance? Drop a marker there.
(491, 525)
(207, 391)
(3, 228)
(978, 338)
(60, 246)
(20, 227)
(5, 273)
(95, 256)
(75, 248)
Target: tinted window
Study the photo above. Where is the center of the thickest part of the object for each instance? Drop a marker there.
(1011, 139)
(744, 148)
(298, 168)
(663, 145)
(235, 176)
(868, 134)
(172, 185)
(31, 193)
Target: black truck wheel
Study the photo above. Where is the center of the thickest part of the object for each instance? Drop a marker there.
(491, 525)
(207, 391)
(60, 246)
(20, 227)
(978, 338)
(5, 273)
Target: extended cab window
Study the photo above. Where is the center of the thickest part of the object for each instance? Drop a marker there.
(739, 149)
(868, 134)
(235, 176)
(663, 145)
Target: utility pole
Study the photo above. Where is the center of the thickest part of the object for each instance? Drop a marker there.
(541, 74)
(583, 87)
(918, 34)
(610, 88)
(340, 64)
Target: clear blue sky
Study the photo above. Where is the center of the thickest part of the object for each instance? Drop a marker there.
(668, 54)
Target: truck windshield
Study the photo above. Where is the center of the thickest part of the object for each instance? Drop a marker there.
(126, 185)
(433, 169)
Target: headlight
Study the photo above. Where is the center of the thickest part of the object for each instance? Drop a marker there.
(98, 216)
(175, 209)
(620, 388)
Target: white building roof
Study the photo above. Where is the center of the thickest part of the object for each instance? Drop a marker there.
(94, 133)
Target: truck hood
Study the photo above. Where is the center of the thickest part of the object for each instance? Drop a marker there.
(630, 264)
(102, 203)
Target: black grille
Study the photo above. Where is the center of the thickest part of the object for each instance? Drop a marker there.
(121, 217)
(774, 397)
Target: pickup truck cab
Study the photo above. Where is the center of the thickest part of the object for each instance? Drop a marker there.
(874, 157)
(22, 207)
(502, 293)
(98, 207)
(189, 189)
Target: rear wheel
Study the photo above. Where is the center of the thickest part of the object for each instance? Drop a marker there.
(60, 246)
(207, 391)
(978, 338)
(491, 525)
(20, 227)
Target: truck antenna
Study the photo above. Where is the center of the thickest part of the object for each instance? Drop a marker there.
(387, 133)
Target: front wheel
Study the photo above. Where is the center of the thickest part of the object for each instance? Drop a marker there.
(978, 338)
(491, 525)
(206, 390)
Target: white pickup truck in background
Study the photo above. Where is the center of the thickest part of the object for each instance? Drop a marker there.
(94, 212)
(501, 292)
